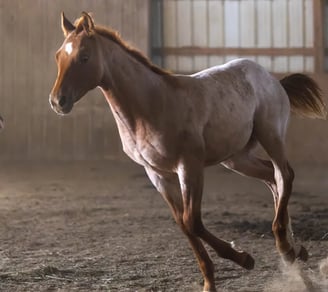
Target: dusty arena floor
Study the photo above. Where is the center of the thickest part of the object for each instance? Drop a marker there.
(102, 227)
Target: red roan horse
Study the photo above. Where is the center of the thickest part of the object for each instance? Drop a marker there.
(175, 125)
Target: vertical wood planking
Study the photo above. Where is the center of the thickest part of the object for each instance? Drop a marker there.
(8, 98)
(128, 11)
(216, 28)
(231, 24)
(308, 14)
(325, 40)
(248, 27)
(200, 32)
(142, 31)
(308, 34)
(264, 37)
(296, 33)
(216, 25)
(280, 34)
(184, 33)
(34, 62)
(112, 143)
(16, 79)
(318, 10)
(264, 24)
(296, 24)
(51, 139)
(248, 24)
(2, 100)
(183, 8)
(170, 32)
(279, 21)
(28, 71)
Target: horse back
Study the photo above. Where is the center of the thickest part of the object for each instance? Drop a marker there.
(235, 93)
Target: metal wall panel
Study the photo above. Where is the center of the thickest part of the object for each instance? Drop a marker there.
(283, 35)
(201, 33)
(30, 35)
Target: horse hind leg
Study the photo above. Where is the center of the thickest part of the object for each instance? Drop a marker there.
(281, 226)
(247, 164)
(273, 144)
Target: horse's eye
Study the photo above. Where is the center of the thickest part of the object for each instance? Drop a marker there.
(83, 59)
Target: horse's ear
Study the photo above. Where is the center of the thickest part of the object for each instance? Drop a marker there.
(66, 25)
(85, 23)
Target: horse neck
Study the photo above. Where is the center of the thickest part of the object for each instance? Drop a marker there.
(130, 87)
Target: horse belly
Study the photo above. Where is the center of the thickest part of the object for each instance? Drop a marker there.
(223, 140)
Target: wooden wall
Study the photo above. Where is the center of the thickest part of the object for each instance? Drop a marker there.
(30, 35)
(284, 36)
(277, 34)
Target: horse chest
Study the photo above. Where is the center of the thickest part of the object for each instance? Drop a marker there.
(144, 149)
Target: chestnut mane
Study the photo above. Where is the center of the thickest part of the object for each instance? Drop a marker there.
(115, 37)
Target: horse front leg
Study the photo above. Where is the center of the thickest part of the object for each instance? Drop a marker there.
(169, 187)
(191, 181)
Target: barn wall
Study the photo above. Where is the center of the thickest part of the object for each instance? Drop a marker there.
(283, 36)
(30, 35)
(277, 34)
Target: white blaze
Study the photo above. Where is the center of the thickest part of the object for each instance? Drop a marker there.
(68, 48)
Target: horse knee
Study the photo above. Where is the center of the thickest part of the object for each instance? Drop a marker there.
(284, 180)
(193, 225)
(279, 229)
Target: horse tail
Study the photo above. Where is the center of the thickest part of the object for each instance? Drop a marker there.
(304, 96)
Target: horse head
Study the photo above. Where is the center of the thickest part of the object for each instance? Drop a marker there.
(77, 63)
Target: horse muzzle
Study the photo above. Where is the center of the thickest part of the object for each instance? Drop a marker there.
(62, 105)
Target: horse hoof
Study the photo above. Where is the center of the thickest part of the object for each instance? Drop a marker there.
(248, 262)
(289, 257)
(303, 254)
(209, 289)
(292, 255)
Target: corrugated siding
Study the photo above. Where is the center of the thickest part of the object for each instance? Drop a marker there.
(30, 35)
(193, 29)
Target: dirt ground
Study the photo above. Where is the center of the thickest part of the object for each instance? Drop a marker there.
(101, 226)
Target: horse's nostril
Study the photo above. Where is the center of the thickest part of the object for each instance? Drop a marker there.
(62, 101)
